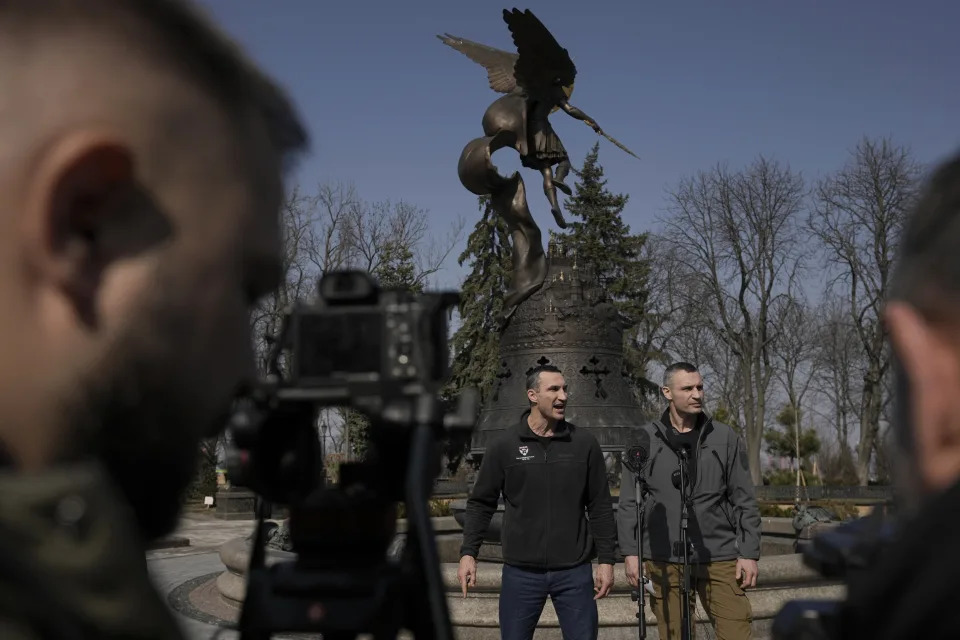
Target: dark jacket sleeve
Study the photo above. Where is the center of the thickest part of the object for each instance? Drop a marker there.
(627, 515)
(482, 503)
(600, 507)
(741, 493)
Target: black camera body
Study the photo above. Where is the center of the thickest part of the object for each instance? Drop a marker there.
(367, 348)
(385, 354)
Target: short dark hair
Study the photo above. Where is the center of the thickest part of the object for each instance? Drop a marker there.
(686, 367)
(533, 376)
(927, 267)
(175, 33)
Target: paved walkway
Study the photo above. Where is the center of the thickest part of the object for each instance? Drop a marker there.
(172, 567)
(172, 571)
(205, 533)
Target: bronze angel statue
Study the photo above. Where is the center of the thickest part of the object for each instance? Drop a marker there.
(537, 80)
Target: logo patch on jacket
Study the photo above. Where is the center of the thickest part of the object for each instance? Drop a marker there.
(524, 453)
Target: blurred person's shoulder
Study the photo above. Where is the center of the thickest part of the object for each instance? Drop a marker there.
(72, 561)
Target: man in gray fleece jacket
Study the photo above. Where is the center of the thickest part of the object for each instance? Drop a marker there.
(724, 523)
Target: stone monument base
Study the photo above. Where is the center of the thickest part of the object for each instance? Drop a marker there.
(218, 599)
(235, 504)
(782, 578)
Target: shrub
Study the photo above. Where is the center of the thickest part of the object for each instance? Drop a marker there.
(205, 481)
(438, 507)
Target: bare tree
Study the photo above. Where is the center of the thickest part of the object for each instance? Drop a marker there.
(794, 350)
(665, 331)
(377, 232)
(393, 242)
(299, 228)
(688, 334)
(838, 363)
(330, 245)
(858, 217)
(738, 232)
(720, 369)
(335, 229)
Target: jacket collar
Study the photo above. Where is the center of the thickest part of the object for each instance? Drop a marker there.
(702, 419)
(663, 425)
(561, 432)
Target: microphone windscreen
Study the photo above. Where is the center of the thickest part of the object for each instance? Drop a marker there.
(637, 453)
(641, 441)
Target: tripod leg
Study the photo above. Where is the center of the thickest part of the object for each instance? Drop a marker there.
(421, 532)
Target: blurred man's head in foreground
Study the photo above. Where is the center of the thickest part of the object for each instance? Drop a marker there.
(923, 318)
(141, 165)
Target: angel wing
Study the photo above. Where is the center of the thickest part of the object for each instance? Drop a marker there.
(498, 63)
(541, 60)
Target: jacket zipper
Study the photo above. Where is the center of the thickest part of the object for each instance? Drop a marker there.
(547, 528)
(703, 430)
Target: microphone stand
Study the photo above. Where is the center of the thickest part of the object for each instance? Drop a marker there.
(637, 594)
(687, 627)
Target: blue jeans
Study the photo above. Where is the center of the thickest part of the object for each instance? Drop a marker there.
(523, 593)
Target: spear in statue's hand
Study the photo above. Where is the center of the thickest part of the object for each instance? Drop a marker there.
(597, 128)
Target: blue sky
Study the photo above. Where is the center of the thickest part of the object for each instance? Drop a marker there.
(685, 85)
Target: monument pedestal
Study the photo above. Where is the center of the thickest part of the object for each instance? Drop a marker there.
(235, 504)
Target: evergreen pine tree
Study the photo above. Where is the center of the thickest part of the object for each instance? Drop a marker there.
(476, 342)
(604, 243)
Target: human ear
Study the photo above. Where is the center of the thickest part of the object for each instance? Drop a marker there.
(80, 184)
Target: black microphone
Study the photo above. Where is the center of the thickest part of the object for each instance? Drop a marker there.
(636, 455)
(684, 452)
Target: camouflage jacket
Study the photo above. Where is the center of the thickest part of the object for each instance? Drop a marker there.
(72, 563)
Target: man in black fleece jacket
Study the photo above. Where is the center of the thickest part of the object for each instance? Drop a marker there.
(551, 475)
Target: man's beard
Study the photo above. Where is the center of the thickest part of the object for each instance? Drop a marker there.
(138, 416)
(140, 436)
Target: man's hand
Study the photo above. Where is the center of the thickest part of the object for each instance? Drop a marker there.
(631, 566)
(603, 581)
(467, 573)
(749, 570)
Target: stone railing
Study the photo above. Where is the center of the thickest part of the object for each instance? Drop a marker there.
(861, 495)
(449, 487)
